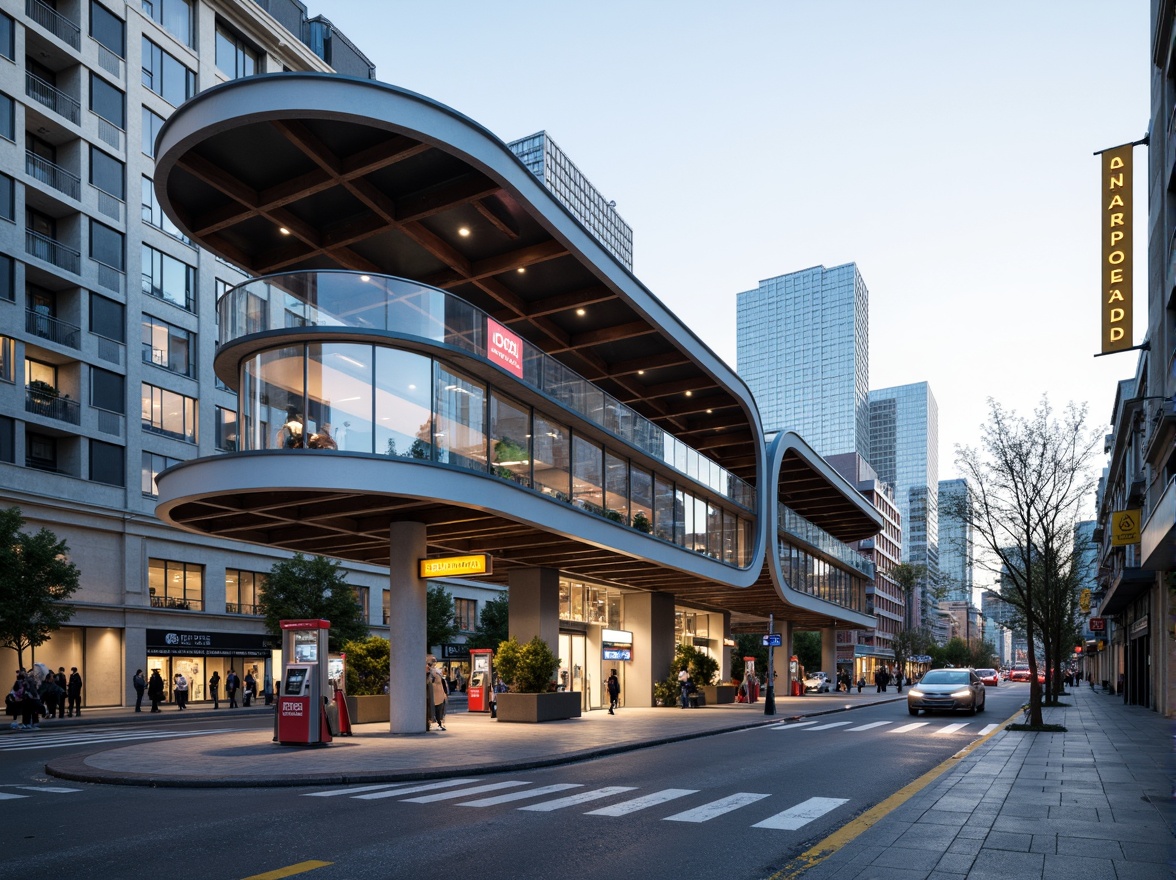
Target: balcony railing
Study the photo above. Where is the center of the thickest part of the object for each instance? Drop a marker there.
(109, 133)
(177, 603)
(61, 408)
(111, 206)
(52, 251)
(46, 327)
(792, 523)
(55, 176)
(109, 61)
(54, 22)
(53, 98)
(109, 277)
(110, 350)
(241, 608)
(109, 421)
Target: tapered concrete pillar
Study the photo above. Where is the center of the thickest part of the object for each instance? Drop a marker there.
(725, 650)
(650, 617)
(782, 655)
(534, 605)
(406, 628)
(829, 654)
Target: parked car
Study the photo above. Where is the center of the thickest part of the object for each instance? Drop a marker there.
(817, 683)
(990, 677)
(949, 689)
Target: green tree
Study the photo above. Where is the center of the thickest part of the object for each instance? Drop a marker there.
(305, 588)
(440, 624)
(36, 579)
(909, 643)
(529, 668)
(368, 665)
(748, 645)
(807, 648)
(908, 576)
(493, 623)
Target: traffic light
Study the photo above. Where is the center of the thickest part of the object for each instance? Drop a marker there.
(1078, 649)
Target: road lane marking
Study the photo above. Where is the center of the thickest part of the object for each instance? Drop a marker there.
(477, 789)
(869, 726)
(356, 790)
(21, 744)
(396, 792)
(582, 798)
(45, 788)
(521, 795)
(907, 727)
(951, 728)
(830, 726)
(11, 797)
(290, 870)
(800, 815)
(717, 808)
(987, 728)
(786, 726)
(624, 808)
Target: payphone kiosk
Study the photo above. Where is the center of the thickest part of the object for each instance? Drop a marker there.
(481, 687)
(794, 676)
(750, 684)
(305, 714)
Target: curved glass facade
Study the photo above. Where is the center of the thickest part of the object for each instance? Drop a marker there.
(378, 400)
(396, 306)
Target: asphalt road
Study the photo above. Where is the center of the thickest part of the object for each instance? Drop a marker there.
(736, 805)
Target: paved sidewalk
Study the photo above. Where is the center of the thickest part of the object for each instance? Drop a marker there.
(1094, 802)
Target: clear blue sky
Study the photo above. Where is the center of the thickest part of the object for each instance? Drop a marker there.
(944, 147)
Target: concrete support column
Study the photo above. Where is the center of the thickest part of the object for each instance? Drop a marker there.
(406, 628)
(725, 650)
(534, 605)
(781, 658)
(829, 654)
(650, 617)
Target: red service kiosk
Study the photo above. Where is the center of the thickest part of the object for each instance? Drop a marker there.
(304, 716)
(481, 684)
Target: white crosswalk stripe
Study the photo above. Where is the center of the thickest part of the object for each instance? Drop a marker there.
(450, 795)
(521, 795)
(951, 728)
(800, 815)
(624, 808)
(870, 726)
(33, 740)
(987, 729)
(582, 798)
(831, 726)
(717, 808)
(356, 790)
(908, 727)
(36, 789)
(797, 726)
(412, 789)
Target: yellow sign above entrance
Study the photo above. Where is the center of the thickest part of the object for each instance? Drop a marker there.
(1125, 527)
(456, 566)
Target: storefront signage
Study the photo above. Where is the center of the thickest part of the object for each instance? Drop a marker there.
(616, 644)
(921, 658)
(1097, 624)
(455, 651)
(1125, 527)
(773, 640)
(504, 348)
(1116, 208)
(200, 644)
(456, 566)
(1084, 601)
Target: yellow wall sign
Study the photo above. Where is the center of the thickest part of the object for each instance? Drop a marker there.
(456, 566)
(1116, 207)
(1125, 527)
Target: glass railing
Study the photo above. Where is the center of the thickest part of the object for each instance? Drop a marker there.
(792, 523)
(395, 305)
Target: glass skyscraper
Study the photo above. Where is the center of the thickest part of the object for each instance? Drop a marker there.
(904, 450)
(956, 553)
(559, 174)
(803, 350)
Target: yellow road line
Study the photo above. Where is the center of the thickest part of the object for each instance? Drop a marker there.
(846, 833)
(290, 871)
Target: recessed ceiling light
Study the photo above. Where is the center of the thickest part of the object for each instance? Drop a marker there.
(522, 269)
(641, 372)
(709, 411)
(689, 393)
(283, 230)
(365, 277)
(464, 231)
(581, 312)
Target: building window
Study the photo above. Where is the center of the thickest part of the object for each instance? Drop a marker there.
(166, 75)
(169, 279)
(7, 371)
(106, 318)
(108, 29)
(243, 591)
(174, 15)
(465, 614)
(363, 596)
(169, 413)
(7, 36)
(7, 198)
(152, 123)
(226, 429)
(7, 281)
(41, 452)
(106, 246)
(7, 439)
(153, 214)
(108, 174)
(235, 57)
(168, 346)
(175, 584)
(107, 464)
(153, 466)
(107, 101)
(387, 606)
(107, 390)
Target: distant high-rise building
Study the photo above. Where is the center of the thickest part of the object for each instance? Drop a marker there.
(803, 350)
(956, 552)
(904, 450)
(550, 164)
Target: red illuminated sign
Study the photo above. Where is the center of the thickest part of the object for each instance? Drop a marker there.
(504, 348)
(1097, 624)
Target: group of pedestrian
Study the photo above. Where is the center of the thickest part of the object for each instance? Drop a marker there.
(40, 694)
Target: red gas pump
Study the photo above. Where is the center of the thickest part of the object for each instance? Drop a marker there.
(481, 686)
(794, 676)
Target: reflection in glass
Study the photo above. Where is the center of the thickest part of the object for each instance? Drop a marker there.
(460, 431)
(510, 440)
(642, 499)
(616, 488)
(587, 475)
(663, 509)
(339, 397)
(273, 395)
(404, 383)
(552, 454)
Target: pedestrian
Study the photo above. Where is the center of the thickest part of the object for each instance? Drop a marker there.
(49, 692)
(140, 684)
(250, 685)
(460, 681)
(14, 700)
(861, 683)
(214, 689)
(181, 691)
(898, 677)
(232, 683)
(62, 683)
(499, 688)
(155, 690)
(684, 686)
(267, 688)
(440, 694)
(73, 692)
(614, 692)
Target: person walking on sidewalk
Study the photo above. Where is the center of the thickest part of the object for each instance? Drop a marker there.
(214, 689)
(140, 684)
(232, 682)
(684, 686)
(155, 690)
(63, 683)
(181, 690)
(440, 695)
(51, 695)
(614, 692)
(250, 684)
(74, 693)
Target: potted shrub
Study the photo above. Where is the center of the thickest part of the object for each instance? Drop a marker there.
(641, 523)
(528, 670)
(367, 676)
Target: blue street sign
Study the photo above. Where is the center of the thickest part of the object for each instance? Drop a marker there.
(773, 640)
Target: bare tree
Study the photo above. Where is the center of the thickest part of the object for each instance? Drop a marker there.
(1031, 478)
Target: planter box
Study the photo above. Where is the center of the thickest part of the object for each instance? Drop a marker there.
(368, 709)
(533, 708)
(718, 693)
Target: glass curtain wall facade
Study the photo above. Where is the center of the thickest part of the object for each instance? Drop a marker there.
(956, 551)
(803, 349)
